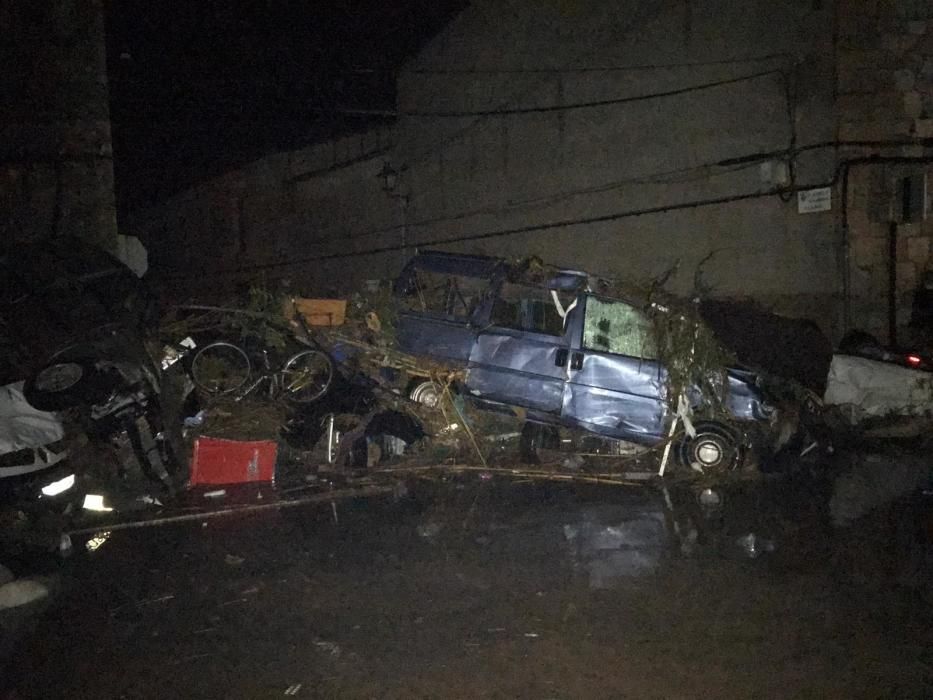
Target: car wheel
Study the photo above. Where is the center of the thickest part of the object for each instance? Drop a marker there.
(64, 383)
(59, 377)
(714, 450)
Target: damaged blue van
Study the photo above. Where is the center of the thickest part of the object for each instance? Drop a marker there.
(570, 357)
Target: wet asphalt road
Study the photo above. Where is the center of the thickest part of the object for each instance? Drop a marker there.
(490, 589)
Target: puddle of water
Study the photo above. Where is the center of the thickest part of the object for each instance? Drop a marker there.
(611, 543)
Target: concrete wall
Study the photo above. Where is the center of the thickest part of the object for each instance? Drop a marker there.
(471, 176)
(885, 68)
(566, 183)
(276, 219)
(490, 172)
(56, 174)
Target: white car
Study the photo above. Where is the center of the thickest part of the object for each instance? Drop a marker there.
(882, 398)
(30, 439)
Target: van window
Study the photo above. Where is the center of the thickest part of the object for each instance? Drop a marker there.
(617, 327)
(526, 308)
(448, 295)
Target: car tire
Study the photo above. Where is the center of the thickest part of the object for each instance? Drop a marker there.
(715, 449)
(64, 383)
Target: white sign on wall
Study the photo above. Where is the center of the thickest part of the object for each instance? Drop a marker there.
(810, 201)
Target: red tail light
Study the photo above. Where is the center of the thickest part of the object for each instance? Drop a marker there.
(914, 360)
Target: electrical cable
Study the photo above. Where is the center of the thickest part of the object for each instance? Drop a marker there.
(460, 114)
(600, 69)
(701, 170)
(790, 101)
(634, 21)
(730, 166)
(614, 216)
(591, 104)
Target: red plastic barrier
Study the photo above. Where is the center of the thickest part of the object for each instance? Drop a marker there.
(219, 461)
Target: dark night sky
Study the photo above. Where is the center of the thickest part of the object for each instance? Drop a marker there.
(201, 86)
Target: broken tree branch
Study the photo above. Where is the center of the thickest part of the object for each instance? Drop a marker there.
(632, 479)
(326, 497)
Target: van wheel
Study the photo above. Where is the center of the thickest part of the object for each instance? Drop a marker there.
(537, 437)
(715, 449)
(426, 393)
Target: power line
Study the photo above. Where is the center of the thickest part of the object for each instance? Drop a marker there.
(749, 161)
(549, 108)
(605, 218)
(729, 165)
(655, 178)
(600, 69)
(635, 20)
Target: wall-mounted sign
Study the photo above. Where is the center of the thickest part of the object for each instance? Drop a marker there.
(810, 201)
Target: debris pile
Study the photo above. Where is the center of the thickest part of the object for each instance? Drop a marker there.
(249, 419)
(463, 364)
(368, 336)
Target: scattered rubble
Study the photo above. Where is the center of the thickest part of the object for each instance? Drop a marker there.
(401, 400)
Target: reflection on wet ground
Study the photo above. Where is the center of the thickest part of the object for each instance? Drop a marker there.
(494, 589)
(610, 543)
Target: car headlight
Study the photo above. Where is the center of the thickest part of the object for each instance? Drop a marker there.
(60, 486)
(95, 502)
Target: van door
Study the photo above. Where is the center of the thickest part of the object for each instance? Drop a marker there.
(520, 357)
(439, 313)
(615, 384)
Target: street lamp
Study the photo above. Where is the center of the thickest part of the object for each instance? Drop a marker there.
(389, 176)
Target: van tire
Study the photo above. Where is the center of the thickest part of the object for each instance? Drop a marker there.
(716, 449)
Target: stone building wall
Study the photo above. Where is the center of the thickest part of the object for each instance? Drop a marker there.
(609, 188)
(641, 176)
(56, 170)
(289, 216)
(885, 103)
(462, 178)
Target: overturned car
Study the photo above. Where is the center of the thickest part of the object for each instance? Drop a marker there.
(74, 323)
(563, 349)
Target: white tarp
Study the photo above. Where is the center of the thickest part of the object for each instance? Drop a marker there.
(22, 427)
(874, 388)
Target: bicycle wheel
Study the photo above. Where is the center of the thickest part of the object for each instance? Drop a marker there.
(220, 368)
(306, 376)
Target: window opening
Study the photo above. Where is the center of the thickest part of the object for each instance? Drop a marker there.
(527, 308)
(619, 328)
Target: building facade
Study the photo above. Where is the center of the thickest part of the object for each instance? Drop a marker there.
(758, 150)
(56, 166)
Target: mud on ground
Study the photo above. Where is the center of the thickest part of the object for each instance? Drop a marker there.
(486, 589)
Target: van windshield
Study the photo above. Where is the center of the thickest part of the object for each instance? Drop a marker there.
(616, 327)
